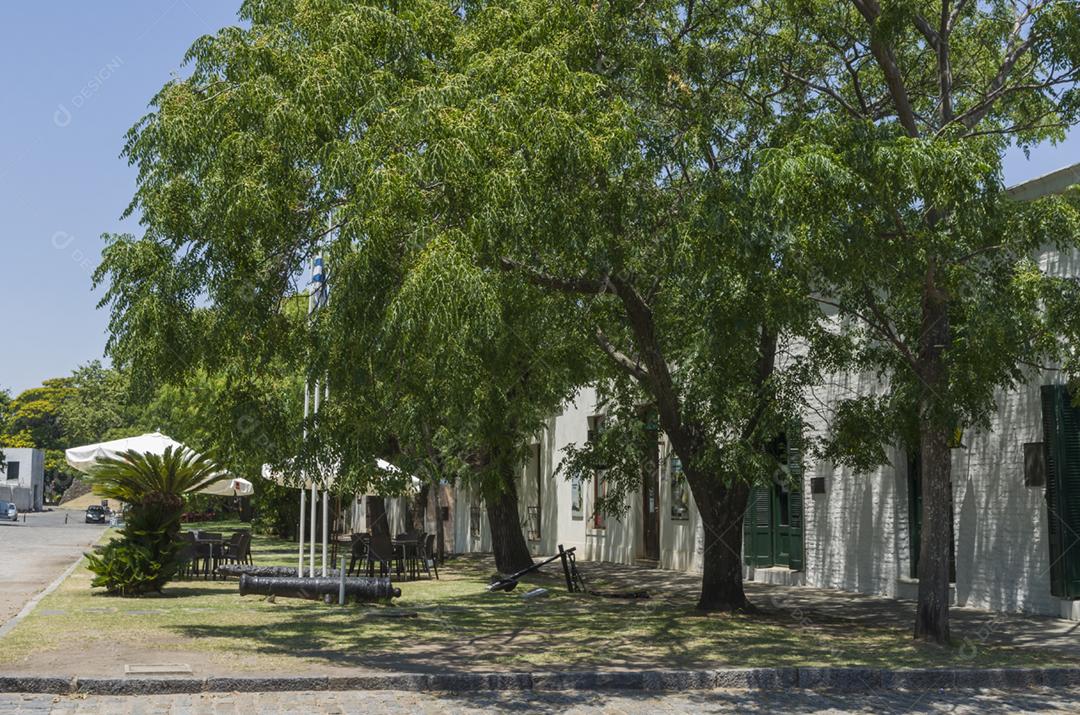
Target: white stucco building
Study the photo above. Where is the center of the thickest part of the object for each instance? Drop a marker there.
(1016, 500)
(23, 478)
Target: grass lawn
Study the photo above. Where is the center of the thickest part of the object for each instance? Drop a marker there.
(457, 626)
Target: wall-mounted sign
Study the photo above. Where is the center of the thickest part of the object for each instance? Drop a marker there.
(577, 506)
(680, 492)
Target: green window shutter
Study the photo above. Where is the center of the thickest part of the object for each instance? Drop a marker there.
(757, 527)
(748, 527)
(1061, 429)
(795, 560)
(763, 527)
(794, 442)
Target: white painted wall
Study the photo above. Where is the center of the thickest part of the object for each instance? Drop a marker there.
(621, 540)
(28, 491)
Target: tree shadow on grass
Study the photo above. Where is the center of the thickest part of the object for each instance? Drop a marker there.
(485, 631)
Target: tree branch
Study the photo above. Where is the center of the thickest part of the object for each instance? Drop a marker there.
(581, 284)
(875, 324)
(886, 60)
(824, 90)
(628, 364)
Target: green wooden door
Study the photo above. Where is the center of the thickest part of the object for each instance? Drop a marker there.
(773, 525)
(758, 528)
(1061, 429)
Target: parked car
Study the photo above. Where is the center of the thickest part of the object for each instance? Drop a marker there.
(95, 514)
(8, 511)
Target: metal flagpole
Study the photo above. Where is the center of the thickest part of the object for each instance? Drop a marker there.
(311, 541)
(325, 527)
(300, 565)
(314, 303)
(314, 494)
(325, 516)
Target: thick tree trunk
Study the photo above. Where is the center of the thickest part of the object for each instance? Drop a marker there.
(932, 614)
(507, 538)
(721, 509)
(419, 507)
(375, 508)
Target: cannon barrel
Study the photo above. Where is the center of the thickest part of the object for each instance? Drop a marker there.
(315, 589)
(236, 570)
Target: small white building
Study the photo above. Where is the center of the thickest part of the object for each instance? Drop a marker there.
(23, 477)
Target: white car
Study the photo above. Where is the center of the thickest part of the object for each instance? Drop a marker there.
(8, 511)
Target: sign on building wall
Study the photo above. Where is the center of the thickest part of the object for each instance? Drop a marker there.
(680, 492)
(577, 506)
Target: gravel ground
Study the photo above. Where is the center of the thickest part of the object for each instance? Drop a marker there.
(377, 702)
(37, 551)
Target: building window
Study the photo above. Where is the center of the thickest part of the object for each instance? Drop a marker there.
(599, 494)
(533, 523)
(474, 521)
(680, 492)
(599, 482)
(12, 470)
(533, 512)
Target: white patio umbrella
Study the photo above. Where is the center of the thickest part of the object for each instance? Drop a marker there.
(85, 457)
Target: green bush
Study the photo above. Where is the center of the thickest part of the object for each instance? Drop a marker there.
(128, 568)
(145, 557)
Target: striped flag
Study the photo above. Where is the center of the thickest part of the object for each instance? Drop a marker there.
(317, 288)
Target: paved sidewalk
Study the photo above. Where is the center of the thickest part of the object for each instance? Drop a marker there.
(38, 550)
(716, 701)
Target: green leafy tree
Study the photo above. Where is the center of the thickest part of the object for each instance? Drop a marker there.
(889, 178)
(604, 153)
(145, 557)
(34, 416)
(99, 407)
(428, 358)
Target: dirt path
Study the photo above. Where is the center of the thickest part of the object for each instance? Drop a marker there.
(38, 550)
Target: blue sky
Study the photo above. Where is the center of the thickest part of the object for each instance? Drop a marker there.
(76, 76)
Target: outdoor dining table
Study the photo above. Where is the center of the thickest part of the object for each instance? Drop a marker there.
(216, 548)
(405, 545)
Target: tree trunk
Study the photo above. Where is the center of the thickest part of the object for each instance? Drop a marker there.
(932, 614)
(721, 509)
(375, 509)
(419, 507)
(507, 539)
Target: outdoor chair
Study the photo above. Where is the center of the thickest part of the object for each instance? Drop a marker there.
(427, 553)
(415, 553)
(238, 548)
(207, 553)
(187, 557)
(380, 550)
(245, 550)
(358, 552)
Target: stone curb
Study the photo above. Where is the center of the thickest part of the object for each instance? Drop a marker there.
(766, 679)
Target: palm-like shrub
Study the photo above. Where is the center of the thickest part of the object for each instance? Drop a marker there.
(144, 558)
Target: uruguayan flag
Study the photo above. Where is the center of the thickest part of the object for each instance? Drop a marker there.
(317, 288)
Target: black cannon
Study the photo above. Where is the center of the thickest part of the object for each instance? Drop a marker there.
(318, 589)
(236, 570)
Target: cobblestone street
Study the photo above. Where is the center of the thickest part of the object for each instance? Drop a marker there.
(308, 703)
